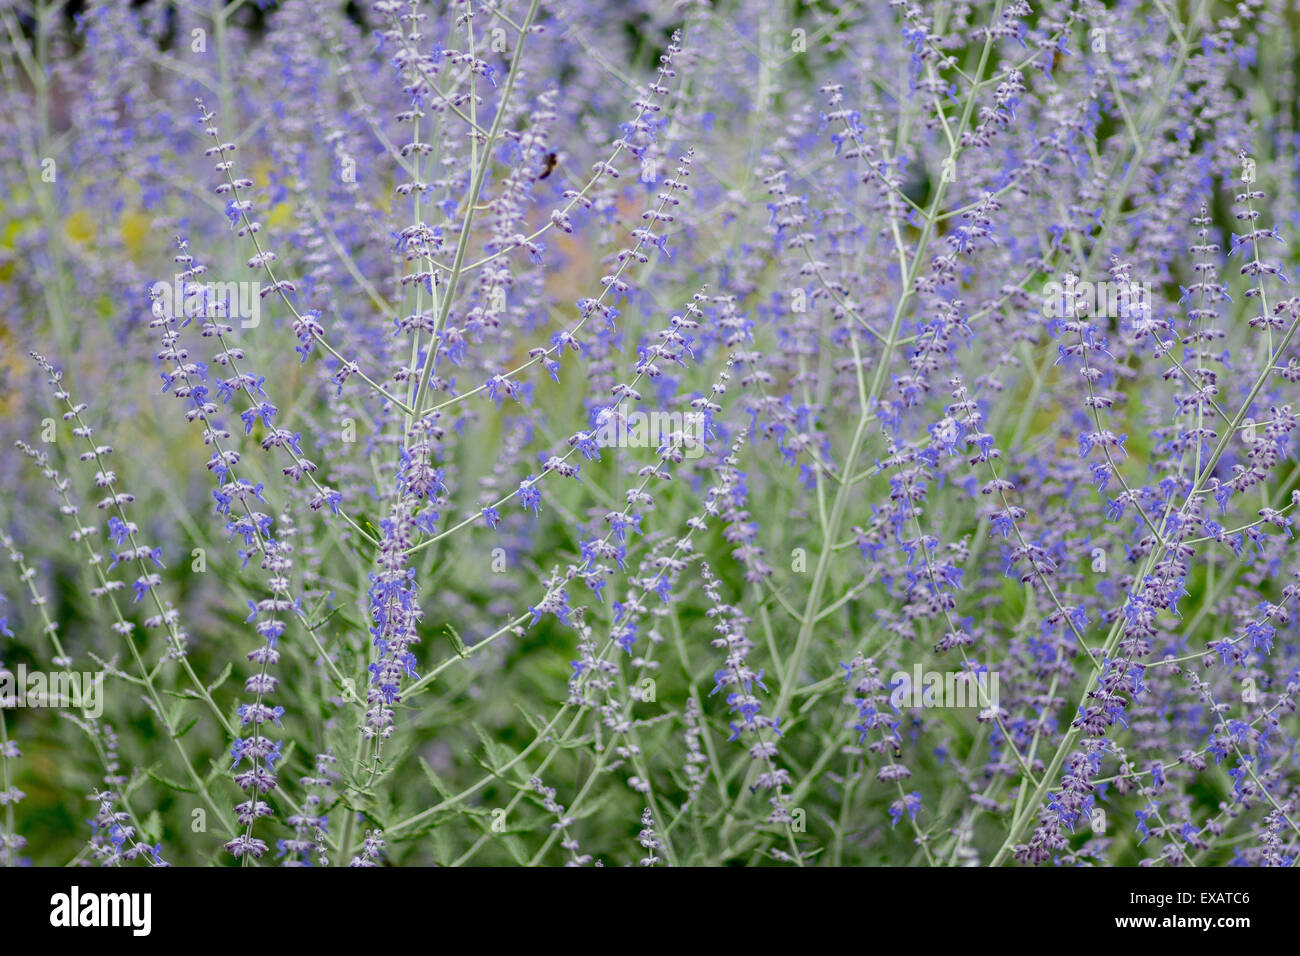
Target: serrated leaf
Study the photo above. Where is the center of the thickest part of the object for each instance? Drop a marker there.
(151, 828)
(456, 642)
(534, 722)
(170, 784)
(222, 678)
(592, 807)
(349, 620)
(498, 753)
(319, 624)
(441, 788)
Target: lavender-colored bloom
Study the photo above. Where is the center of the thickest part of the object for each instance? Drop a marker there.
(606, 414)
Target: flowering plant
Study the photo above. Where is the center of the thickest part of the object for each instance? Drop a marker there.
(566, 432)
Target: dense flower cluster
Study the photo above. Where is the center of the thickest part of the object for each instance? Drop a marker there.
(649, 433)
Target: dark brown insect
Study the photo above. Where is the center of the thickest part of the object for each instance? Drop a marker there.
(548, 165)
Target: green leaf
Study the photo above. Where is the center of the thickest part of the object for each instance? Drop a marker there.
(498, 754)
(170, 784)
(443, 790)
(225, 674)
(533, 721)
(151, 828)
(456, 642)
